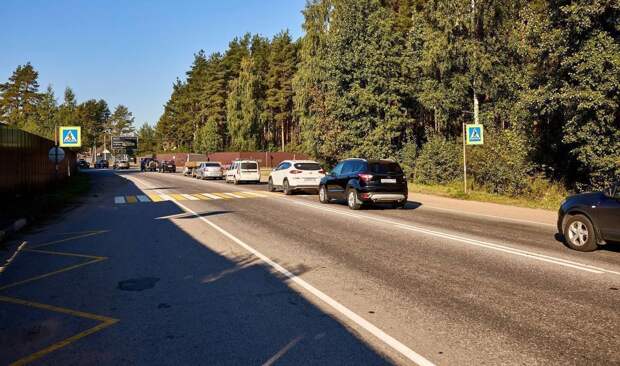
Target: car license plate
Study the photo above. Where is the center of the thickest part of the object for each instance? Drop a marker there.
(388, 180)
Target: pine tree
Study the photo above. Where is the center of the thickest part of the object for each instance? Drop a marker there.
(242, 109)
(19, 96)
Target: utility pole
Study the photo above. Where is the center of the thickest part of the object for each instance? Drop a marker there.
(473, 30)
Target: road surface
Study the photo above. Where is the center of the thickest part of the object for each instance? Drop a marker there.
(163, 269)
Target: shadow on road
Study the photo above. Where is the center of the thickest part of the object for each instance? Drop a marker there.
(177, 300)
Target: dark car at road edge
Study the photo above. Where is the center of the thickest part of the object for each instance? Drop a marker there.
(588, 220)
(363, 182)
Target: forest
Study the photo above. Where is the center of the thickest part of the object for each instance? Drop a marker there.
(398, 78)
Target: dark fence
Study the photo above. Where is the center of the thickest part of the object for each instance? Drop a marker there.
(24, 164)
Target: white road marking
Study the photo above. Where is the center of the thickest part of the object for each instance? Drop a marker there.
(480, 243)
(343, 310)
(165, 197)
(232, 195)
(212, 196)
(502, 218)
(143, 198)
(190, 197)
(119, 199)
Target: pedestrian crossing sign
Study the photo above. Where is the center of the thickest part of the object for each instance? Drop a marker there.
(70, 136)
(475, 134)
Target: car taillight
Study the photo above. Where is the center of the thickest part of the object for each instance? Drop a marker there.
(321, 171)
(365, 177)
(296, 171)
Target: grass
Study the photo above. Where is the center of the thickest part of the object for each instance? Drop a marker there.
(39, 206)
(548, 198)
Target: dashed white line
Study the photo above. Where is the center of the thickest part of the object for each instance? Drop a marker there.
(190, 197)
(211, 196)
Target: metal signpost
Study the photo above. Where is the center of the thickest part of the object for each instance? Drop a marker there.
(473, 134)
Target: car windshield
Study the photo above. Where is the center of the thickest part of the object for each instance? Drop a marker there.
(248, 166)
(384, 167)
(307, 166)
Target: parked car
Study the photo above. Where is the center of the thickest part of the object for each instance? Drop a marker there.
(361, 182)
(167, 166)
(243, 171)
(152, 165)
(83, 164)
(588, 220)
(144, 163)
(296, 175)
(210, 170)
(102, 164)
(121, 164)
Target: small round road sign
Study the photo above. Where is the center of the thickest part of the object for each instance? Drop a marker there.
(56, 155)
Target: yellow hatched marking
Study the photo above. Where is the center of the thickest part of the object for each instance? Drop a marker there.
(154, 197)
(221, 195)
(201, 197)
(177, 196)
(132, 199)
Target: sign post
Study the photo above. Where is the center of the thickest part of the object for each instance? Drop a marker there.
(473, 134)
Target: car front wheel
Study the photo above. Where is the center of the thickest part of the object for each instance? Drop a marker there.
(579, 234)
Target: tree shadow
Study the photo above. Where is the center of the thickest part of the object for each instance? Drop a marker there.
(202, 306)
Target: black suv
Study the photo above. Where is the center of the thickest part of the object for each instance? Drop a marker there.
(361, 181)
(589, 219)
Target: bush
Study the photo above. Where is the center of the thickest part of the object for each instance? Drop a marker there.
(501, 165)
(439, 162)
(408, 156)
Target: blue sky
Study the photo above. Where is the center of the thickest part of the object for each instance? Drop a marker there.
(129, 52)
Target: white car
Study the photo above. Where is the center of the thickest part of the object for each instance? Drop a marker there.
(210, 170)
(243, 171)
(296, 175)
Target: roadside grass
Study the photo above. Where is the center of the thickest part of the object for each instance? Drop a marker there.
(41, 205)
(546, 197)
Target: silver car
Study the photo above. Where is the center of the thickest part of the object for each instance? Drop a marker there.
(210, 170)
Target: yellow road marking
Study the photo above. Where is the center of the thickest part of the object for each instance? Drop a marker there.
(177, 196)
(105, 322)
(52, 273)
(132, 199)
(67, 239)
(154, 197)
(221, 195)
(201, 197)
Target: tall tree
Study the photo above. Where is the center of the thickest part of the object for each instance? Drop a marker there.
(147, 143)
(19, 96)
(242, 108)
(282, 67)
(121, 121)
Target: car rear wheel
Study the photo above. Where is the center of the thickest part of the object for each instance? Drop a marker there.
(579, 233)
(286, 188)
(270, 186)
(352, 200)
(323, 198)
(235, 181)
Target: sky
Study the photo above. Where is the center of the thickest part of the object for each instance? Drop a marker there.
(129, 52)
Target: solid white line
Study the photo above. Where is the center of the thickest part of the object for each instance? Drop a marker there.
(119, 199)
(143, 198)
(232, 195)
(488, 245)
(502, 218)
(371, 328)
(190, 197)
(211, 196)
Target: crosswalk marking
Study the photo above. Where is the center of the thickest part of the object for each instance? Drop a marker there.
(189, 197)
(152, 197)
(143, 198)
(211, 196)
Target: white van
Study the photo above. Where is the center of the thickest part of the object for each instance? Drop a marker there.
(243, 171)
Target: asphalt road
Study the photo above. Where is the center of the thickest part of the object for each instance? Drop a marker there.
(276, 279)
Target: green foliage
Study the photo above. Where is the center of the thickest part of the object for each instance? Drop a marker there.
(19, 96)
(147, 140)
(208, 138)
(439, 162)
(502, 164)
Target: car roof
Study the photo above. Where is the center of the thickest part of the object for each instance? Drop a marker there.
(299, 161)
